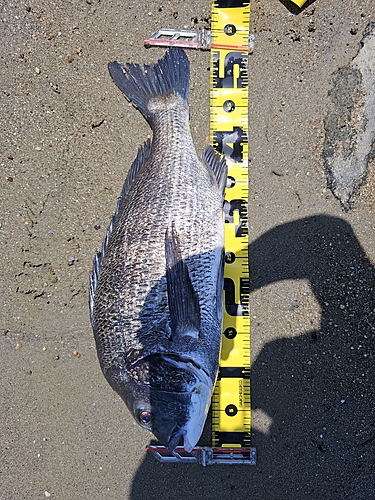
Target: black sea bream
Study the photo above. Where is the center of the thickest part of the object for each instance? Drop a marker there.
(156, 286)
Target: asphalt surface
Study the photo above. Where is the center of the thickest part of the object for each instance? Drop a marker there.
(67, 139)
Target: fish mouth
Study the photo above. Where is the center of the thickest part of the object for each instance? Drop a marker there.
(200, 399)
(180, 397)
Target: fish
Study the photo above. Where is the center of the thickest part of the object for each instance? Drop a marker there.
(156, 288)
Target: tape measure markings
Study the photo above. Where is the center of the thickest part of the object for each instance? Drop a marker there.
(231, 410)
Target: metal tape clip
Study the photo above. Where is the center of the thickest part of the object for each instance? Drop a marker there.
(188, 39)
(204, 455)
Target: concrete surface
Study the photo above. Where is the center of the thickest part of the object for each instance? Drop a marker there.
(350, 123)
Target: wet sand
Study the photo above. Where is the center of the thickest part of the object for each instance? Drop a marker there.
(67, 139)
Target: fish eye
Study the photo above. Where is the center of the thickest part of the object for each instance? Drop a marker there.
(145, 418)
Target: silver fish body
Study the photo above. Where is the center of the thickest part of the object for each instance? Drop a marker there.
(156, 286)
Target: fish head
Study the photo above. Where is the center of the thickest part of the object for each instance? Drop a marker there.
(172, 399)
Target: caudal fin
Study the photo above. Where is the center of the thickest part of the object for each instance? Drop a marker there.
(170, 75)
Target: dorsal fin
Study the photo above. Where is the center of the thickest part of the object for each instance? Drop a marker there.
(141, 158)
(182, 298)
(217, 164)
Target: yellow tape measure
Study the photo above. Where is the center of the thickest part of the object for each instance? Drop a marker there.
(300, 3)
(231, 410)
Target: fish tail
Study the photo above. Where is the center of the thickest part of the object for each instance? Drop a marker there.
(170, 75)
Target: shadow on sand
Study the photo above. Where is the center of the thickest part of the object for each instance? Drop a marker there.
(318, 388)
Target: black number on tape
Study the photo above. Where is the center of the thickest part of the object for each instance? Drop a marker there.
(229, 106)
(231, 410)
(231, 307)
(230, 333)
(230, 29)
(241, 206)
(226, 4)
(230, 60)
(230, 143)
(230, 257)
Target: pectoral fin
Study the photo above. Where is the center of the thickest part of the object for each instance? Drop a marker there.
(182, 298)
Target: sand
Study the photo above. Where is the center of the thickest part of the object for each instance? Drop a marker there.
(67, 140)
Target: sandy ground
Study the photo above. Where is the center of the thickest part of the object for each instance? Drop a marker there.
(67, 140)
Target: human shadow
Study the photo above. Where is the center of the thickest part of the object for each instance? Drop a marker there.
(317, 389)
